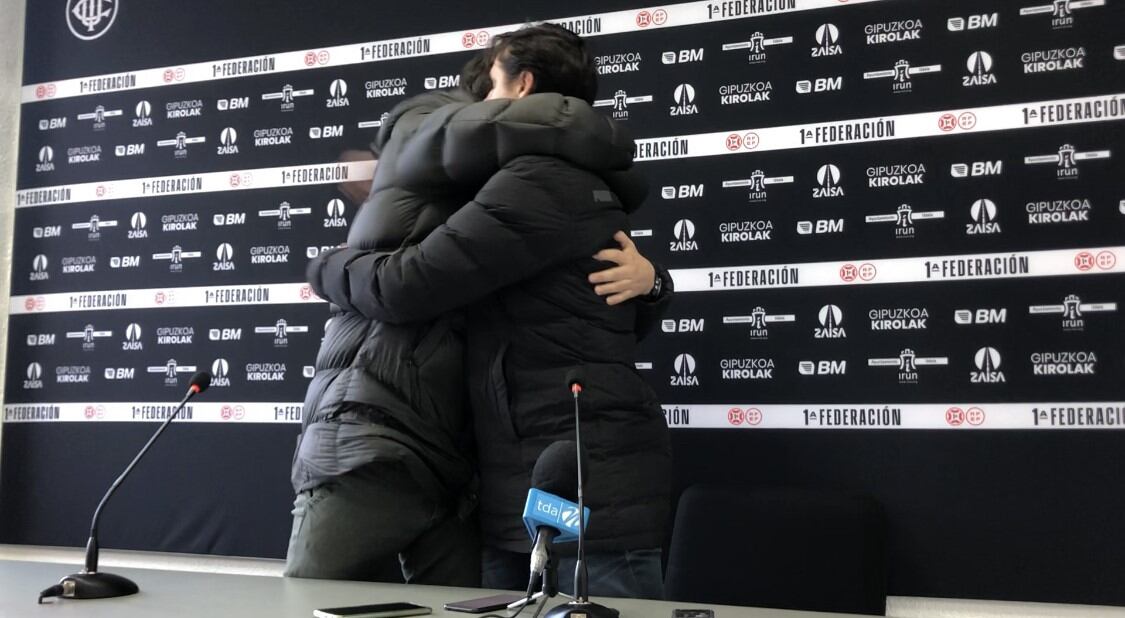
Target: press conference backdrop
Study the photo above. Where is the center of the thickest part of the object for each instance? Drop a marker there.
(896, 231)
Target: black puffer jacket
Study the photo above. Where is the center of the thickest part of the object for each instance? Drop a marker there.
(555, 189)
(384, 391)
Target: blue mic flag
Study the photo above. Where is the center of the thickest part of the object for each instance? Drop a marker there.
(545, 509)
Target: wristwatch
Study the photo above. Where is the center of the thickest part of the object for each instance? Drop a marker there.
(657, 287)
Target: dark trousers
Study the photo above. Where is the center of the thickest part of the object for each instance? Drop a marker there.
(356, 526)
(633, 574)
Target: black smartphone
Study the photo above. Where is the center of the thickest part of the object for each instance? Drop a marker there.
(693, 613)
(380, 610)
(484, 604)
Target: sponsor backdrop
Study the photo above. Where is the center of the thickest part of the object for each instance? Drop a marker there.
(896, 229)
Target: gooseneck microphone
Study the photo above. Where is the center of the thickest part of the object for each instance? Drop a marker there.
(574, 380)
(580, 607)
(89, 583)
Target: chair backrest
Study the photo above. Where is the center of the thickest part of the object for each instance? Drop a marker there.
(815, 550)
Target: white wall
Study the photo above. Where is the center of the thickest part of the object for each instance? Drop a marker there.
(11, 72)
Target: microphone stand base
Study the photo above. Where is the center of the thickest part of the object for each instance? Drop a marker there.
(576, 609)
(96, 586)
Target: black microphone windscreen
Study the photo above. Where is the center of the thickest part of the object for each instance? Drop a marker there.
(575, 376)
(201, 380)
(556, 470)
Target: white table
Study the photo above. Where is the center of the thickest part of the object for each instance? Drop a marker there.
(209, 595)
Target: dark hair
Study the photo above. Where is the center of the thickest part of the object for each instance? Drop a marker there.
(555, 57)
(474, 75)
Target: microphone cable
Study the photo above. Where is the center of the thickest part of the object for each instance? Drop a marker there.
(53, 591)
(526, 602)
(542, 606)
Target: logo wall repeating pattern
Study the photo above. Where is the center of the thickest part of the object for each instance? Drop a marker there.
(874, 143)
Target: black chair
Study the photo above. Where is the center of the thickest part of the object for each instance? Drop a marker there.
(812, 550)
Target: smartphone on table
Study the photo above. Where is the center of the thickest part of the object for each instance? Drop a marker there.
(380, 610)
(484, 604)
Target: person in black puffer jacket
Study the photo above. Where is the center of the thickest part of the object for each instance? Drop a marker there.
(554, 185)
(383, 468)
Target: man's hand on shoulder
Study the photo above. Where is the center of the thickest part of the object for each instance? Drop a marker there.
(632, 276)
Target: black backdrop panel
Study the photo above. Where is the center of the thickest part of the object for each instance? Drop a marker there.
(896, 228)
(189, 494)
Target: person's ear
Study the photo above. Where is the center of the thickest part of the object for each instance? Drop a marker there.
(526, 84)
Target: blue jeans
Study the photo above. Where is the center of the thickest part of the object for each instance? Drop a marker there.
(632, 574)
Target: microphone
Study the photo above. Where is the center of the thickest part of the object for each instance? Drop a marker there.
(575, 378)
(200, 382)
(89, 583)
(580, 607)
(550, 513)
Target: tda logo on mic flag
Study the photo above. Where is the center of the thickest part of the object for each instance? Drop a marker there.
(544, 509)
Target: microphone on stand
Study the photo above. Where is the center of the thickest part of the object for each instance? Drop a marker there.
(550, 514)
(580, 607)
(89, 583)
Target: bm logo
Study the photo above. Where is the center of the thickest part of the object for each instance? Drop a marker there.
(681, 191)
(444, 81)
(685, 325)
(326, 131)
